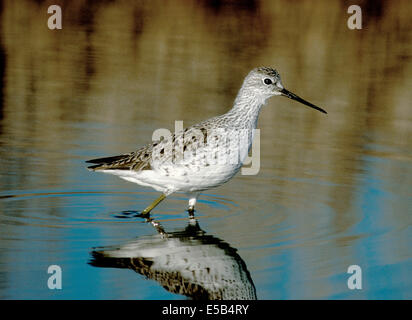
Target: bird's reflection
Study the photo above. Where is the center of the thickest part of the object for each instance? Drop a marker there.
(187, 262)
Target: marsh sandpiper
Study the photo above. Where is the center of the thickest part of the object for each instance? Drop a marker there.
(205, 155)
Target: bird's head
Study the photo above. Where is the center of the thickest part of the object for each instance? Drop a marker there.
(265, 82)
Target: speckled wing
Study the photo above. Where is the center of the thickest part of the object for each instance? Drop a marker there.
(138, 160)
(164, 151)
(189, 145)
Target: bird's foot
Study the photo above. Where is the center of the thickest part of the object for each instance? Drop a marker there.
(191, 212)
(144, 214)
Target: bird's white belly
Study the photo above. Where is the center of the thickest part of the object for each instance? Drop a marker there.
(192, 170)
(180, 178)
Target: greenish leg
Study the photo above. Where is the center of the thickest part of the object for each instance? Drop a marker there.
(153, 205)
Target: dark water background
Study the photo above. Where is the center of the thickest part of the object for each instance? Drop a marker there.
(332, 190)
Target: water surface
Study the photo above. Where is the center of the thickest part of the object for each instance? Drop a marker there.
(332, 191)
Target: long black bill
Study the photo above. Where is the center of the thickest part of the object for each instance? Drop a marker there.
(293, 96)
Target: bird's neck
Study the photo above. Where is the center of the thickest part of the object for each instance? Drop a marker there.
(246, 108)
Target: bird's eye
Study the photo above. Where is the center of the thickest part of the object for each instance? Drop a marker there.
(267, 81)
